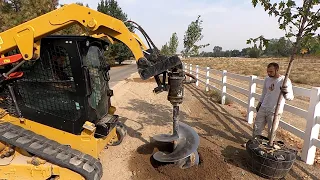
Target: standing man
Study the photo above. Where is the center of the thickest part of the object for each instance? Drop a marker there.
(269, 97)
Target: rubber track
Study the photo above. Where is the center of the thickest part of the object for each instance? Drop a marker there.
(52, 151)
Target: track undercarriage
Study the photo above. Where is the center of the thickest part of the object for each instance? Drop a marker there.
(30, 152)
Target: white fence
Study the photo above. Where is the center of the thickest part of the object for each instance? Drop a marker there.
(312, 115)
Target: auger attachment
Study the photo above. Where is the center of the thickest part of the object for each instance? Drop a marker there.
(183, 143)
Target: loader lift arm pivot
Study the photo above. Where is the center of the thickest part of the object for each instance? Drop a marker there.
(26, 39)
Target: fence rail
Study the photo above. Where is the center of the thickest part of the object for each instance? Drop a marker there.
(312, 115)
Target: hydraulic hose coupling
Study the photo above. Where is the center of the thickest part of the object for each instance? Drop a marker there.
(175, 94)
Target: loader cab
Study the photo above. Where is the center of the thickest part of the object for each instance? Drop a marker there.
(68, 85)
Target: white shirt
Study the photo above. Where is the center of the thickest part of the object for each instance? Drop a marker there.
(271, 91)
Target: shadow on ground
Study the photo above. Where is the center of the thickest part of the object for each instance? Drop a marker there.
(224, 131)
(214, 128)
(238, 156)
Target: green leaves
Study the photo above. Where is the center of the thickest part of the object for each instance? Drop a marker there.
(263, 42)
(290, 3)
(192, 36)
(15, 12)
(170, 49)
(304, 19)
(281, 5)
(112, 8)
(291, 22)
(165, 50)
(295, 21)
(254, 3)
(173, 44)
(117, 51)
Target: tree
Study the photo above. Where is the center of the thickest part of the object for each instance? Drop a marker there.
(254, 52)
(227, 53)
(245, 51)
(263, 42)
(235, 53)
(257, 49)
(217, 51)
(311, 45)
(170, 49)
(192, 36)
(278, 47)
(165, 50)
(284, 47)
(298, 22)
(15, 12)
(173, 44)
(118, 51)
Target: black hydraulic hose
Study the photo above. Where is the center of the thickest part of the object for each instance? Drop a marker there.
(144, 37)
(144, 32)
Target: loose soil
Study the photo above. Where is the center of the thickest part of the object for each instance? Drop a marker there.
(211, 166)
(222, 131)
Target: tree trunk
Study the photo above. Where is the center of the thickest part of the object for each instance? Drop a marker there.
(276, 119)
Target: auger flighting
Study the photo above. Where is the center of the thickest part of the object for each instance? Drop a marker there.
(184, 140)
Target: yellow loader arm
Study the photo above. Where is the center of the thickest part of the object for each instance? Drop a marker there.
(24, 36)
(144, 47)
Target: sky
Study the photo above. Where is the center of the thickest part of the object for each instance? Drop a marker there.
(226, 23)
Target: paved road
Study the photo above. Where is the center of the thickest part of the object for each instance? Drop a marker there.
(121, 72)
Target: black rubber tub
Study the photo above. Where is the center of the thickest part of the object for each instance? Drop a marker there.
(269, 162)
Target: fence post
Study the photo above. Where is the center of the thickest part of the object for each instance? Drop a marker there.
(190, 71)
(251, 98)
(224, 87)
(312, 128)
(197, 75)
(207, 78)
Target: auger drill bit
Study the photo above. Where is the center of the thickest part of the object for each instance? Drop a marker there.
(184, 140)
(175, 118)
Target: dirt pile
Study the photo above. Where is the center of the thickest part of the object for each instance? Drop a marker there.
(211, 166)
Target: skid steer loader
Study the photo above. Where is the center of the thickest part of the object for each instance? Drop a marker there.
(56, 114)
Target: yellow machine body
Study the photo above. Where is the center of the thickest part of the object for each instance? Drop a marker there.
(22, 165)
(86, 142)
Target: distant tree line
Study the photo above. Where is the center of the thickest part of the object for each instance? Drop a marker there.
(281, 47)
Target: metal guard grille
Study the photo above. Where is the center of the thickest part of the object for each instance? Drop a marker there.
(47, 85)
